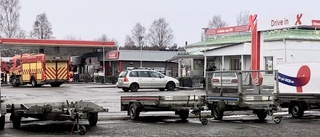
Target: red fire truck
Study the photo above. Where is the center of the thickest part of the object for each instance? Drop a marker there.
(39, 69)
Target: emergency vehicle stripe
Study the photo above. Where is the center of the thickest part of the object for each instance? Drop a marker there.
(50, 73)
(62, 73)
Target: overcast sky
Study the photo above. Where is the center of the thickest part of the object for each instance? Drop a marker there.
(90, 19)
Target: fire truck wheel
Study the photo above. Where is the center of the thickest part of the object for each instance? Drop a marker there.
(55, 85)
(33, 82)
(15, 82)
(2, 122)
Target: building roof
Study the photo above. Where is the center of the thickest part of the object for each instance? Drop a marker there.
(294, 34)
(146, 55)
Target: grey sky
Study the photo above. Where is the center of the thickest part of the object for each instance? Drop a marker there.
(89, 19)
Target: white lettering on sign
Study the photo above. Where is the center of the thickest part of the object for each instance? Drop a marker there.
(282, 22)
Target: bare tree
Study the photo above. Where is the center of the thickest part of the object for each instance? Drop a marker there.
(129, 44)
(42, 28)
(72, 37)
(9, 15)
(104, 37)
(242, 18)
(138, 34)
(217, 22)
(160, 34)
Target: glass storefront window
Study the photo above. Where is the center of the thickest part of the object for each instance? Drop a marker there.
(268, 64)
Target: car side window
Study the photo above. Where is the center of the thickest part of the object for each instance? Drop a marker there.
(154, 74)
(143, 74)
(133, 74)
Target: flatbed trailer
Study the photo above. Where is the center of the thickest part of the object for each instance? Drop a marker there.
(244, 94)
(298, 103)
(56, 111)
(181, 105)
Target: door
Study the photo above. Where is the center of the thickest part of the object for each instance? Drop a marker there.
(144, 79)
(57, 70)
(157, 81)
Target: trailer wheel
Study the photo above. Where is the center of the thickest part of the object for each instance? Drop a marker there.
(93, 119)
(204, 121)
(277, 120)
(216, 112)
(161, 89)
(133, 111)
(262, 115)
(2, 122)
(82, 130)
(16, 122)
(184, 114)
(134, 87)
(297, 110)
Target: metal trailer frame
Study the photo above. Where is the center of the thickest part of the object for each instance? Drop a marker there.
(225, 98)
(180, 104)
(57, 111)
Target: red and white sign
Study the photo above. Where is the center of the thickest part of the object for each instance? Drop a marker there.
(315, 23)
(227, 30)
(113, 55)
(284, 22)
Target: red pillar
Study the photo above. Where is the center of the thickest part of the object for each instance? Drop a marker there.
(120, 66)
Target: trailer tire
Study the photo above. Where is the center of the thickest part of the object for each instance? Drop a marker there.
(16, 122)
(134, 87)
(161, 89)
(297, 110)
(217, 112)
(134, 111)
(262, 115)
(93, 119)
(2, 122)
(184, 114)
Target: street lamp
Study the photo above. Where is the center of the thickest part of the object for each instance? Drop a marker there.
(140, 39)
(205, 52)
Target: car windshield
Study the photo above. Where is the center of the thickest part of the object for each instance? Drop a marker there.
(123, 74)
(225, 74)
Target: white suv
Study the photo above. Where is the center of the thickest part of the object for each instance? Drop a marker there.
(145, 79)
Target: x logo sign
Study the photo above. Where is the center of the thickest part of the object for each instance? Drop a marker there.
(252, 19)
(298, 19)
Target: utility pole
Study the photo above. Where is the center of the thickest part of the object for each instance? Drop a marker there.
(205, 52)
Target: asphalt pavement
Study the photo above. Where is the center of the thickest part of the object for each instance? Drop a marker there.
(116, 123)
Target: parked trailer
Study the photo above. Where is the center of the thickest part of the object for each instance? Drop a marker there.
(180, 104)
(3, 112)
(242, 90)
(56, 111)
(299, 87)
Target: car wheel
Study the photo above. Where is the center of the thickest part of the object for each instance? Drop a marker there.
(134, 87)
(170, 86)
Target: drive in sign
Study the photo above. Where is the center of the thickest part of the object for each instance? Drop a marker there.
(289, 21)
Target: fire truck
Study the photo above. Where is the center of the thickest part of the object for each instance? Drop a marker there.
(4, 71)
(39, 69)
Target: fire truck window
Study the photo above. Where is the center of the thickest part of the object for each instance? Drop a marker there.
(18, 62)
